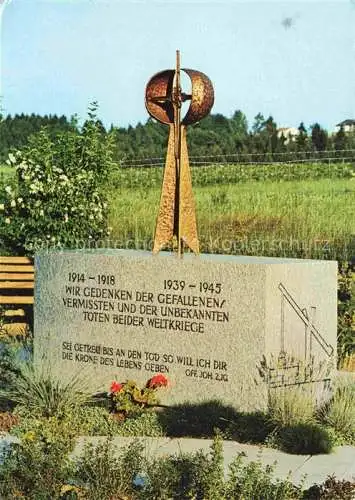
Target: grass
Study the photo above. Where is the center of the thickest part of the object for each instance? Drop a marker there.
(42, 394)
(348, 363)
(235, 173)
(274, 210)
(305, 218)
(291, 405)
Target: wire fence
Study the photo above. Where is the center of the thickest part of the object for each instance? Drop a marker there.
(328, 156)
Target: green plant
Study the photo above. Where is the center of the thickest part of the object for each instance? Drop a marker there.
(41, 394)
(339, 411)
(331, 489)
(253, 481)
(144, 424)
(290, 406)
(201, 476)
(346, 310)
(305, 438)
(295, 400)
(92, 420)
(228, 174)
(59, 199)
(14, 354)
(220, 198)
(249, 427)
(186, 475)
(107, 473)
(37, 467)
(128, 398)
(300, 218)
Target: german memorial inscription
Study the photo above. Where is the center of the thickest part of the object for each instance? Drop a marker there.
(205, 322)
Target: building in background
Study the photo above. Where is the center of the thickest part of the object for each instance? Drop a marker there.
(348, 126)
(289, 133)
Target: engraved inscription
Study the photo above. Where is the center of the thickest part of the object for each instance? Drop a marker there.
(134, 359)
(179, 306)
(175, 305)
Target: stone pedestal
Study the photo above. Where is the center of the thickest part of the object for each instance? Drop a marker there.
(205, 322)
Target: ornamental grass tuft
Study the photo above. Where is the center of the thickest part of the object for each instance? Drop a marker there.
(339, 411)
(41, 394)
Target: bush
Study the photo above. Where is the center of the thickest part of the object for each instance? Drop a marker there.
(254, 482)
(188, 475)
(97, 421)
(106, 473)
(59, 199)
(305, 439)
(198, 420)
(37, 467)
(339, 411)
(250, 427)
(331, 489)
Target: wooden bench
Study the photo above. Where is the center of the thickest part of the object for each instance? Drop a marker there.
(16, 294)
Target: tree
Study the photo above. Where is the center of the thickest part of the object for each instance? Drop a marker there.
(239, 126)
(302, 138)
(271, 135)
(340, 140)
(259, 124)
(319, 137)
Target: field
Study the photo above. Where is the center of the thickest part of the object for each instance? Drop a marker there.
(305, 218)
(295, 210)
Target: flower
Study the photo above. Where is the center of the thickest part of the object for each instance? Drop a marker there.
(11, 158)
(157, 381)
(7, 220)
(8, 189)
(13, 203)
(2, 206)
(29, 436)
(115, 387)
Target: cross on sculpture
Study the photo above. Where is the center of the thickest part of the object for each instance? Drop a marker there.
(163, 100)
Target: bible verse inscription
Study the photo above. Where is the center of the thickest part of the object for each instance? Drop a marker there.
(178, 306)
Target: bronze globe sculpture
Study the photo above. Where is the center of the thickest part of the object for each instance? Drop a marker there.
(163, 100)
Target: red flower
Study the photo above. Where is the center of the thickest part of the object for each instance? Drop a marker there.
(157, 381)
(115, 387)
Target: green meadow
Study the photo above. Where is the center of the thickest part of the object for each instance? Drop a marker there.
(293, 210)
(305, 218)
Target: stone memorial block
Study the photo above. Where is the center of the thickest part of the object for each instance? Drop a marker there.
(206, 322)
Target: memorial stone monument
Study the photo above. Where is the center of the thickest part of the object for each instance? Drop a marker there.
(206, 322)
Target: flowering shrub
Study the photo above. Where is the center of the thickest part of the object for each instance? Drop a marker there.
(127, 397)
(59, 199)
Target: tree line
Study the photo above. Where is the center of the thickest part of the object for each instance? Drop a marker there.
(215, 135)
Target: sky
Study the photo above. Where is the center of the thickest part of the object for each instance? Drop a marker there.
(293, 60)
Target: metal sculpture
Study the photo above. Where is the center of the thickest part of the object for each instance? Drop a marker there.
(163, 100)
